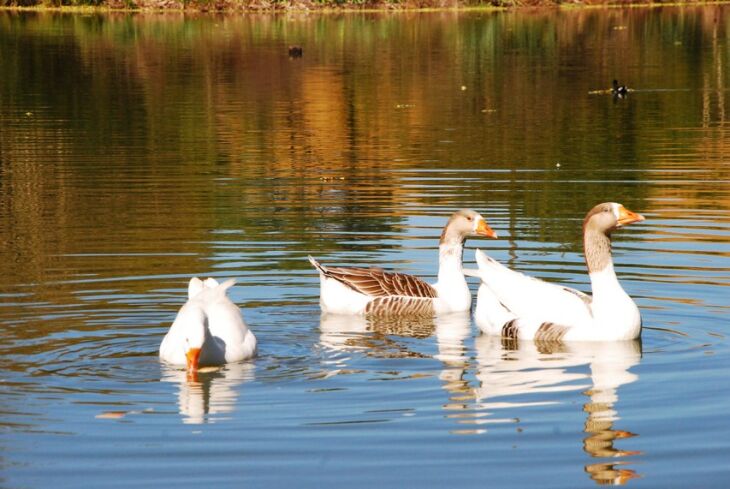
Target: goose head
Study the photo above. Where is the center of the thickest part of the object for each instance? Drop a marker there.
(597, 227)
(465, 223)
(193, 333)
(609, 216)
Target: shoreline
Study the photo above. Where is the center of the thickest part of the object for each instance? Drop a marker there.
(333, 6)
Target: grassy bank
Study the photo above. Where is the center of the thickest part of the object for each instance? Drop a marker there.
(283, 5)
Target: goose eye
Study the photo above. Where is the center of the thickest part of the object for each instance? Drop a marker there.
(469, 218)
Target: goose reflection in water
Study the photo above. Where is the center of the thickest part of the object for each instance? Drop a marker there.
(451, 332)
(378, 336)
(372, 334)
(528, 367)
(211, 393)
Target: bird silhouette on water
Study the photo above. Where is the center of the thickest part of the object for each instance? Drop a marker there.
(619, 91)
(295, 51)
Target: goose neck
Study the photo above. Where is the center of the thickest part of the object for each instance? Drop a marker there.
(604, 282)
(450, 260)
(597, 250)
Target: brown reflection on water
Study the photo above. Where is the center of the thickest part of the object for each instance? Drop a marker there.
(610, 473)
(136, 118)
(220, 96)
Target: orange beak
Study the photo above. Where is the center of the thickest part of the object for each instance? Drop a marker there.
(192, 356)
(626, 216)
(625, 475)
(483, 229)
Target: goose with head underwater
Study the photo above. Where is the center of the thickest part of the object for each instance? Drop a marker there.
(208, 330)
(517, 306)
(377, 292)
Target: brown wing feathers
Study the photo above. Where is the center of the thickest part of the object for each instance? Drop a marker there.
(396, 305)
(550, 332)
(377, 282)
(547, 332)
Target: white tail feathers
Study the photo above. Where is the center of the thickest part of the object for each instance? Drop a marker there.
(482, 259)
(196, 286)
(210, 283)
(226, 285)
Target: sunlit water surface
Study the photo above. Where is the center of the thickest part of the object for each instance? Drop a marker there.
(138, 151)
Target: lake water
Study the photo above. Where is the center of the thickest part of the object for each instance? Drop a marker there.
(137, 151)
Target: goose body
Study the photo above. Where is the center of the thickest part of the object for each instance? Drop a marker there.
(375, 291)
(208, 330)
(517, 306)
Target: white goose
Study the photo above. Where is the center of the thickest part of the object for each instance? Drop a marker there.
(517, 306)
(375, 291)
(208, 329)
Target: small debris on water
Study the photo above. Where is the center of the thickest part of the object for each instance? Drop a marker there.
(121, 414)
(111, 415)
